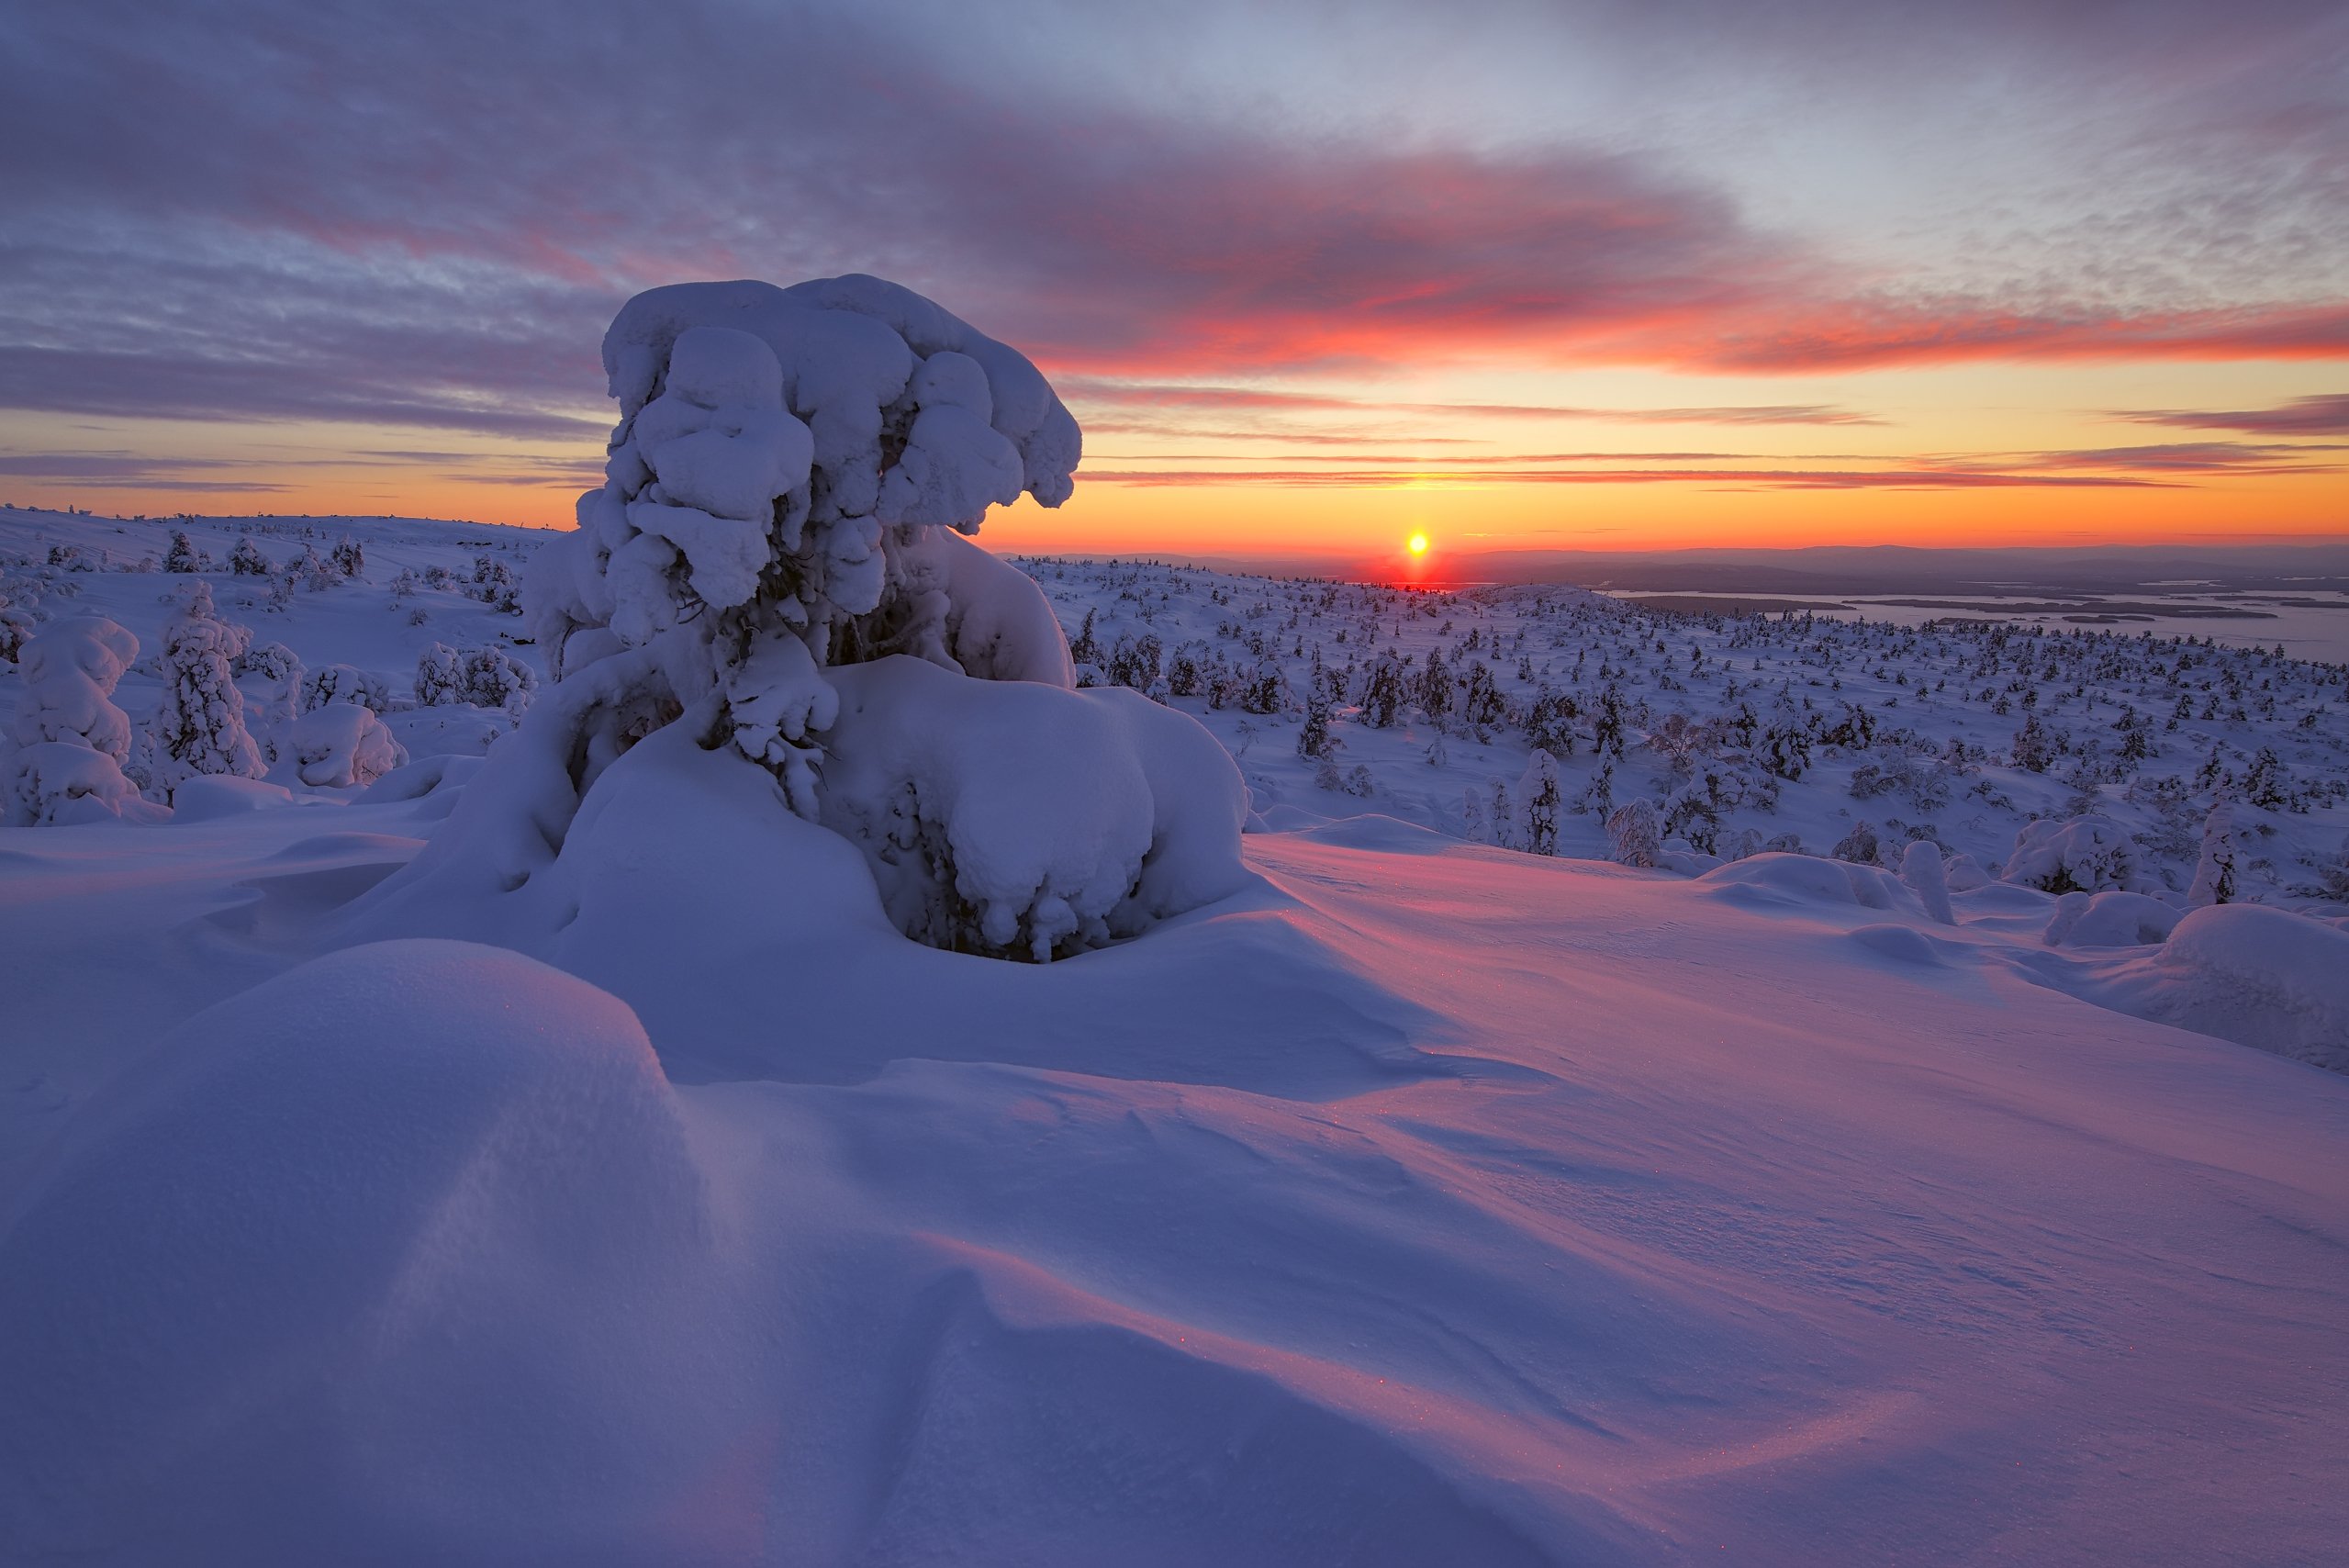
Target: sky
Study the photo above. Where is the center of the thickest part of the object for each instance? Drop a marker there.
(1647, 275)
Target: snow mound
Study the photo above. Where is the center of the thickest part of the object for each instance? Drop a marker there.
(2259, 977)
(369, 1263)
(2109, 919)
(1110, 814)
(210, 796)
(1780, 880)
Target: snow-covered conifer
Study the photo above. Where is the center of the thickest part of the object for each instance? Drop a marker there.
(1382, 692)
(782, 512)
(1539, 799)
(2033, 752)
(1315, 740)
(1434, 690)
(1504, 817)
(70, 739)
(2215, 877)
(199, 726)
(182, 556)
(247, 560)
(1481, 706)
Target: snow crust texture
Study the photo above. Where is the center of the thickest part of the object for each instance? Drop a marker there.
(1532, 1143)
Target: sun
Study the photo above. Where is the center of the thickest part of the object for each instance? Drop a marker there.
(1417, 544)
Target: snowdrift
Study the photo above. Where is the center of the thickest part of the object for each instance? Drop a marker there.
(402, 1256)
(2260, 977)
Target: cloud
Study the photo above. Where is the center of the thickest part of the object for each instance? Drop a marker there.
(2324, 414)
(423, 215)
(1083, 390)
(1904, 478)
(1865, 335)
(2210, 457)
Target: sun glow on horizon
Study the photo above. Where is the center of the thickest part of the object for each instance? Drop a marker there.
(1417, 544)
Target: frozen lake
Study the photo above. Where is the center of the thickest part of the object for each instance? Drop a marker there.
(2307, 631)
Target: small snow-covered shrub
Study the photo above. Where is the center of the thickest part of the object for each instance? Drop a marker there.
(340, 743)
(1861, 846)
(440, 677)
(2087, 854)
(483, 677)
(273, 662)
(341, 683)
(247, 560)
(1634, 833)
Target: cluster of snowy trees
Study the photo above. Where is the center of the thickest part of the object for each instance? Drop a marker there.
(225, 705)
(1686, 740)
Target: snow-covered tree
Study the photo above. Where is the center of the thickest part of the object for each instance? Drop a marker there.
(1314, 740)
(1382, 692)
(2033, 752)
(1921, 867)
(2215, 877)
(1481, 706)
(1634, 835)
(182, 556)
(276, 663)
(1434, 691)
(246, 560)
(782, 512)
(348, 557)
(1540, 799)
(1266, 690)
(199, 726)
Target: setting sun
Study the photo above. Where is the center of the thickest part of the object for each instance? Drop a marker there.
(1418, 545)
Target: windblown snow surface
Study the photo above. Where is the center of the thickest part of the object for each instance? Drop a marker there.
(1425, 1202)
